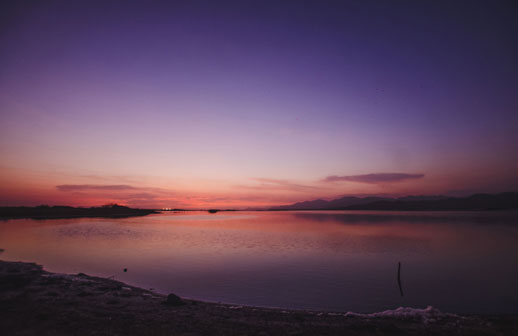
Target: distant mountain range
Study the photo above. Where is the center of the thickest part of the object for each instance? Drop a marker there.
(502, 201)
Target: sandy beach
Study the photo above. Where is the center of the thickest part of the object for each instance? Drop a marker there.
(36, 302)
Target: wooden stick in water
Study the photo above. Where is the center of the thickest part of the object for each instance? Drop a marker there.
(399, 278)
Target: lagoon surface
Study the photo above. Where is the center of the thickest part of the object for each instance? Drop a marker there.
(462, 262)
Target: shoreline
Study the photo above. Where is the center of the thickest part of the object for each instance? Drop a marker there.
(79, 216)
(43, 212)
(34, 301)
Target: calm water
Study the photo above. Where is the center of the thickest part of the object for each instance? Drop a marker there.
(339, 261)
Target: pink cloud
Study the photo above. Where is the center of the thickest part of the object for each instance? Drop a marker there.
(82, 187)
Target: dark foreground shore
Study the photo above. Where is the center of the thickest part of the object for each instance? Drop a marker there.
(36, 302)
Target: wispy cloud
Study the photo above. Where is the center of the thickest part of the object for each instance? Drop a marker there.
(123, 194)
(374, 178)
(83, 187)
(274, 184)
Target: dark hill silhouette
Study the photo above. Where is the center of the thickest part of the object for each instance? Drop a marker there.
(502, 201)
(46, 212)
(422, 198)
(320, 204)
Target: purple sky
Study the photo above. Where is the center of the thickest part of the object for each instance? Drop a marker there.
(249, 103)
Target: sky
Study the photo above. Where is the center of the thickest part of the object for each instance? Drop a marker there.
(195, 104)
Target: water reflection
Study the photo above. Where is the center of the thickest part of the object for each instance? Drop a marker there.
(460, 262)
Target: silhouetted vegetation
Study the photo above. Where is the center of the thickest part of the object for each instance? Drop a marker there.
(45, 212)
